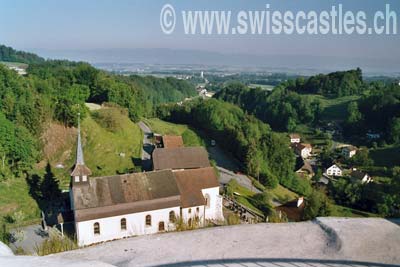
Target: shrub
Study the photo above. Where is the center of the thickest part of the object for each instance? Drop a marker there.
(109, 118)
(55, 244)
(233, 219)
(182, 225)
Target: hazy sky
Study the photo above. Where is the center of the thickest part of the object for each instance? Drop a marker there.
(104, 24)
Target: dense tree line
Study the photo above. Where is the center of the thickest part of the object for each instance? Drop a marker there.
(336, 84)
(378, 111)
(266, 155)
(218, 81)
(8, 54)
(383, 199)
(282, 109)
(57, 90)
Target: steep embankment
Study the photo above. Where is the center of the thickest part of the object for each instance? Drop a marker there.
(112, 142)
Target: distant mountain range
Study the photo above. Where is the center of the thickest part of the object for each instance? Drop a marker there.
(161, 56)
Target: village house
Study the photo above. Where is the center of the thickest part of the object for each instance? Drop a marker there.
(293, 210)
(305, 170)
(334, 170)
(349, 151)
(294, 138)
(118, 206)
(302, 150)
(19, 70)
(360, 176)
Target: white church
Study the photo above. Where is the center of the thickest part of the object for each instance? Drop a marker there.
(118, 206)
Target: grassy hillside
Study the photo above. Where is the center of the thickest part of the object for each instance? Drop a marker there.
(190, 138)
(111, 144)
(102, 147)
(335, 108)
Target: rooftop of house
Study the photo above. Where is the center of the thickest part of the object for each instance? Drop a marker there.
(293, 209)
(137, 192)
(119, 194)
(358, 174)
(180, 158)
(305, 166)
(191, 182)
(350, 148)
(300, 146)
(294, 136)
(334, 164)
(172, 141)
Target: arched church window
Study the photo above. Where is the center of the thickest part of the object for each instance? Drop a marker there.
(148, 220)
(96, 228)
(123, 224)
(172, 216)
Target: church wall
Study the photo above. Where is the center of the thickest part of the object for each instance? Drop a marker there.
(214, 209)
(196, 211)
(110, 227)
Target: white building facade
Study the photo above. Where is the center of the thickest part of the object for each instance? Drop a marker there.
(119, 206)
(334, 170)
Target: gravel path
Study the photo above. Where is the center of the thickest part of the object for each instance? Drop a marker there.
(147, 146)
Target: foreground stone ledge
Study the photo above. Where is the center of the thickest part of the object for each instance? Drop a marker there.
(322, 242)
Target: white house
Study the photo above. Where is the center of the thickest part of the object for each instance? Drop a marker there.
(294, 138)
(349, 151)
(363, 177)
(303, 150)
(113, 207)
(19, 70)
(334, 170)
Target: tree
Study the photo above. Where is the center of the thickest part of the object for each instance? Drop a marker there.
(263, 202)
(353, 113)
(362, 158)
(317, 204)
(49, 188)
(395, 130)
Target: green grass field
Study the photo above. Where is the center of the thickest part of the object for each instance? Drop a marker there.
(335, 108)
(242, 195)
(14, 196)
(282, 194)
(14, 64)
(102, 150)
(262, 86)
(189, 136)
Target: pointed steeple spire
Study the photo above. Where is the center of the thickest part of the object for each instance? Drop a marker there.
(79, 151)
(80, 171)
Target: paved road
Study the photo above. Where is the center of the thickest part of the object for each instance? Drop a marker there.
(31, 237)
(227, 167)
(147, 147)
